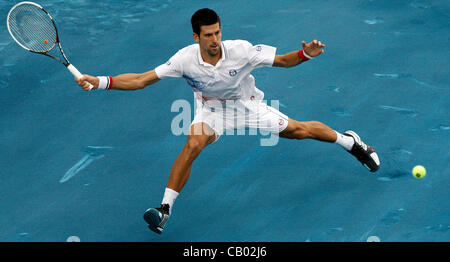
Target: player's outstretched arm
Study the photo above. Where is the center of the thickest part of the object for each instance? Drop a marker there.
(291, 59)
(121, 82)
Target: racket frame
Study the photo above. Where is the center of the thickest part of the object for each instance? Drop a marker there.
(66, 63)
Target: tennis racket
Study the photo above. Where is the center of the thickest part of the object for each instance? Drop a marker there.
(33, 28)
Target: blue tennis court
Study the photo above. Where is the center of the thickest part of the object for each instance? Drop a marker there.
(88, 164)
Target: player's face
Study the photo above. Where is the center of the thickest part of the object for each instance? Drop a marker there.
(210, 38)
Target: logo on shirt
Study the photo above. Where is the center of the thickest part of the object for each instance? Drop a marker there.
(232, 72)
(168, 63)
(195, 84)
(258, 48)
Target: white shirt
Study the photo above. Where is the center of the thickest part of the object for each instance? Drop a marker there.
(230, 78)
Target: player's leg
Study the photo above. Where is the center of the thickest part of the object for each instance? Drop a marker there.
(349, 140)
(200, 136)
(308, 129)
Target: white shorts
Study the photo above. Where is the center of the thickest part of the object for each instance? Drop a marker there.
(239, 115)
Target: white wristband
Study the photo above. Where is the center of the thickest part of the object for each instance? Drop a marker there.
(103, 82)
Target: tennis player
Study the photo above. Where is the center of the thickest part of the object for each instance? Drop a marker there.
(219, 73)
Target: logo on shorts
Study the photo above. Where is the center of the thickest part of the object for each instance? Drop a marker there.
(168, 63)
(258, 48)
(232, 72)
(281, 122)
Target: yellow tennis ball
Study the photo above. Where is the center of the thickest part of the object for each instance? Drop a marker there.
(45, 41)
(419, 172)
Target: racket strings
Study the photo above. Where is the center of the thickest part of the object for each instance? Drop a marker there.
(32, 34)
(32, 28)
(35, 28)
(34, 22)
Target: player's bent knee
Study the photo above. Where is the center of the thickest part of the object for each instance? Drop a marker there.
(195, 145)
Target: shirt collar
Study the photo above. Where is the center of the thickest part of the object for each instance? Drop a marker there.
(224, 56)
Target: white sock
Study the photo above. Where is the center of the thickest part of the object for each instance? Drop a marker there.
(345, 141)
(169, 198)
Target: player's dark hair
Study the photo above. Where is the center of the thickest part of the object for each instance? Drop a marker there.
(203, 16)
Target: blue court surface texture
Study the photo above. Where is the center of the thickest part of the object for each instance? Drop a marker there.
(88, 164)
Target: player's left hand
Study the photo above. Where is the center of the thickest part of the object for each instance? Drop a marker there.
(314, 48)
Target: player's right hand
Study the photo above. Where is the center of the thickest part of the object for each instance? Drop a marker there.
(86, 80)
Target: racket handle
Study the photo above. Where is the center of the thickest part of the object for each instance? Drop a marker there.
(77, 74)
